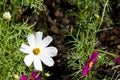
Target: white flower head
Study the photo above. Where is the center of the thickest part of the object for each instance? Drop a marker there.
(7, 16)
(38, 51)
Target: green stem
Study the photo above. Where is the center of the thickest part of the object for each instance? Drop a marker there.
(114, 67)
(4, 4)
(108, 53)
(103, 13)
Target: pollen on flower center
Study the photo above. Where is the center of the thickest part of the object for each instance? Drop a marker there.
(36, 51)
(90, 64)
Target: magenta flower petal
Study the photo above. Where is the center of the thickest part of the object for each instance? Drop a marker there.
(118, 60)
(94, 56)
(89, 63)
(23, 77)
(52, 1)
(33, 74)
(85, 70)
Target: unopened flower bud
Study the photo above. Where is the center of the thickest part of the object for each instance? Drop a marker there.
(7, 16)
(47, 74)
(97, 16)
(86, 7)
(16, 77)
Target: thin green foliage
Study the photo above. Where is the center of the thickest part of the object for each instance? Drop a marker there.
(85, 38)
(17, 7)
(11, 59)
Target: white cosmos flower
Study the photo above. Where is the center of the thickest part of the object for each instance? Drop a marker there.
(38, 51)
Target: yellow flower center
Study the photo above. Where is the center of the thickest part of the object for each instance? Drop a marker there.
(36, 51)
(90, 64)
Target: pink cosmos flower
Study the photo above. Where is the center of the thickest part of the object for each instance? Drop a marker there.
(118, 62)
(89, 63)
(33, 76)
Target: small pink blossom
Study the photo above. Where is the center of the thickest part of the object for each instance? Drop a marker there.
(118, 60)
(33, 76)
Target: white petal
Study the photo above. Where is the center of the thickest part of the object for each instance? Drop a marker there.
(25, 48)
(46, 41)
(37, 64)
(50, 51)
(31, 40)
(38, 38)
(47, 60)
(29, 59)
